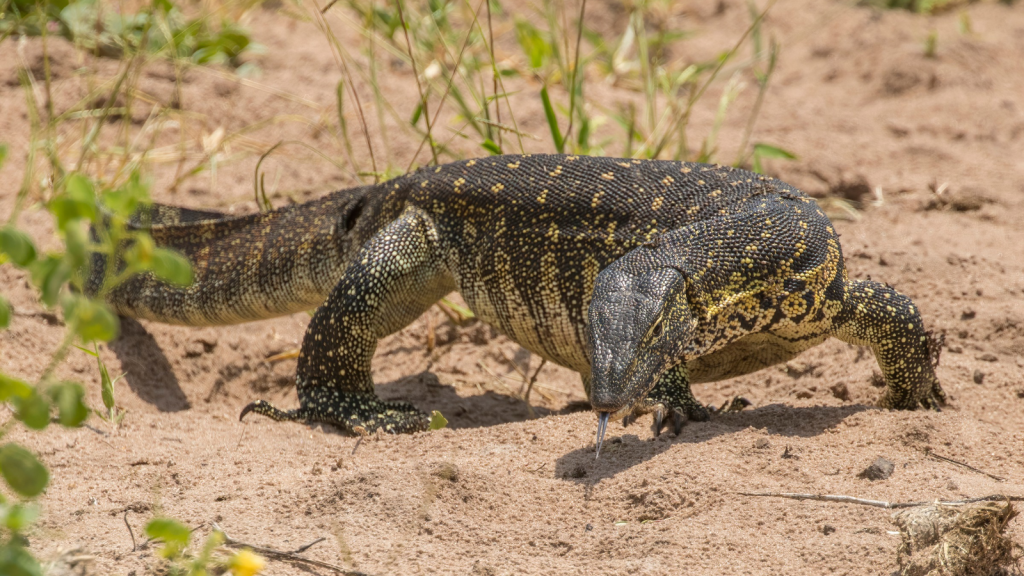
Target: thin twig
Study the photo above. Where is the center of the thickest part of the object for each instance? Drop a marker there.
(494, 72)
(529, 387)
(878, 503)
(419, 85)
(130, 533)
(358, 442)
(968, 466)
(288, 556)
(575, 71)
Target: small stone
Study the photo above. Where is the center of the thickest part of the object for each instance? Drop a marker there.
(762, 443)
(589, 527)
(988, 357)
(828, 529)
(952, 486)
(956, 349)
(804, 394)
(968, 314)
(840, 391)
(877, 380)
(1020, 392)
(979, 376)
(193, 349)
(880, 469)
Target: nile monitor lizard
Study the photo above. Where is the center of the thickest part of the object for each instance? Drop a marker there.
(642, 275)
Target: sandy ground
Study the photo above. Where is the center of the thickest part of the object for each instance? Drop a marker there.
(500, 492)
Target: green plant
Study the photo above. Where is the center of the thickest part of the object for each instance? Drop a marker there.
(162, 28)
(181, 562)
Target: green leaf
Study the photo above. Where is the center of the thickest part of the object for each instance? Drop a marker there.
(22, 470)
(17, 246)
(124, 201)
(106, 384)
(491, 146)
(5, 313)
(17, 517)
(79, 201)
(170, 266)
(549, 113)
(91, 319)
(33, 410)
(437, 421)
(76, 243)
(170, 531)
(16, 561)
(13, 388)
(80, 189)
(768, 151)
(69, 398)
(416, 114)
(49, 275)
(3, 154)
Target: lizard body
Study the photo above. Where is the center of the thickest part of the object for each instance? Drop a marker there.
(641, 275)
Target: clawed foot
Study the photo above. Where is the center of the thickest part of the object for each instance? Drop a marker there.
(934, 399)
(664, 412)
(352, 413)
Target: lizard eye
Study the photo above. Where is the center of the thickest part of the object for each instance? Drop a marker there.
(656, 329)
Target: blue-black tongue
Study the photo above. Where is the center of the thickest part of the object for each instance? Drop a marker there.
(602, 425)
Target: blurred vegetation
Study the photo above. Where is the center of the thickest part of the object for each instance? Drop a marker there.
(107, 31)
(923, 6)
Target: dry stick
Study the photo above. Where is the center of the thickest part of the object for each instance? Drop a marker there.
(529, 387)
(289, 556)
(575, 71)
(419, 85)
(494, 73)
(969, 467)
(878, 503)
(130, 533)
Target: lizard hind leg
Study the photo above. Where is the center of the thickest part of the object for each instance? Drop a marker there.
(397, 275)
(878, 316)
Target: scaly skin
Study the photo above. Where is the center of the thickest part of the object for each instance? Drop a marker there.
(641, 275)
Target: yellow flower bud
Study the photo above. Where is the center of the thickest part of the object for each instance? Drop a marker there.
(246, 563)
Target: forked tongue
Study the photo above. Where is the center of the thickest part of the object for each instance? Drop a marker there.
(602, 425)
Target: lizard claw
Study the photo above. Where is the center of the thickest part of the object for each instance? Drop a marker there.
(348, 412)
(659, 421)
(678, 421)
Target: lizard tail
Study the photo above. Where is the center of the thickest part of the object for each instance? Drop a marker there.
(249, 267)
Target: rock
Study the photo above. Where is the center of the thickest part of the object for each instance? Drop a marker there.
(827, 529)
(988, 357)
(762, 443)
(880, 469)
(840, 391)
(979, 376)
(804, 394)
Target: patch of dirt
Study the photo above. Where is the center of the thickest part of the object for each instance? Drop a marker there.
(500, 492)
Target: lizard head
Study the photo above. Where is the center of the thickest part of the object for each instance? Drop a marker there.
(638, 326)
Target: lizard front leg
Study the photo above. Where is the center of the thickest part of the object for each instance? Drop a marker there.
(397, 276)
(670, 397)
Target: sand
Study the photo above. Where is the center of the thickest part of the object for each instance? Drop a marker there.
(501, 491)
